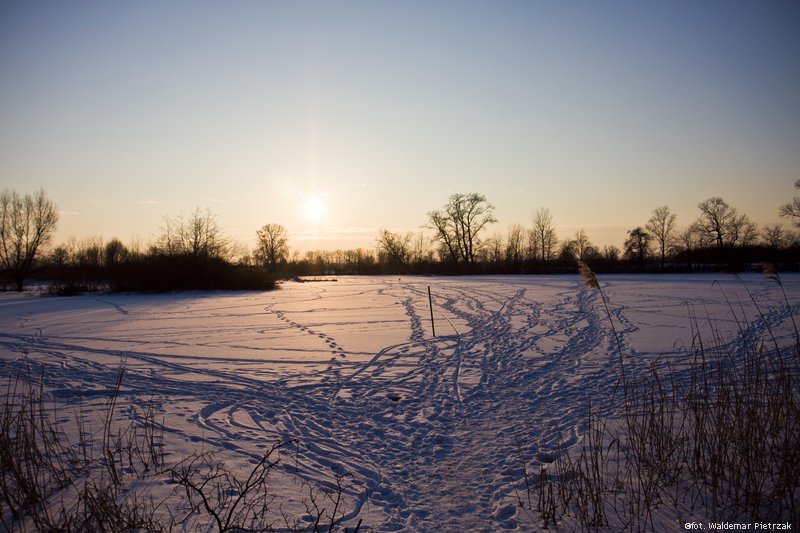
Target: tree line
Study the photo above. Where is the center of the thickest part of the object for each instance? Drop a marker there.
(194, 253)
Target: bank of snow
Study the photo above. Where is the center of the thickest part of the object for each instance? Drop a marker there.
(432, 431)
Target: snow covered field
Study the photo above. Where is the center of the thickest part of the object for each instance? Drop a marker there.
(432, 431)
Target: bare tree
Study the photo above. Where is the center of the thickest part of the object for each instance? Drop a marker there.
(610, 253)
(492, 249)
(774, 236)
(531, 246)
(544, 234)
(200, 237)
(26, 226)
(584, 249)
(715, 219)
(743, 231)
(661, 227)
(723, 224)
(568, 251)
(792, 209)
(272, 246)
(445, 234)
(420, 248)
(457, 225)
(88, 253)
(637, 246)
(694, 237)
(394, 247)
(59, 256)
(515, 244)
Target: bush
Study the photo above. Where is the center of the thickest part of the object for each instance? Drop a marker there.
(161, 273)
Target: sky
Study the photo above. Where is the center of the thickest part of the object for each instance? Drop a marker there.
(375, 112)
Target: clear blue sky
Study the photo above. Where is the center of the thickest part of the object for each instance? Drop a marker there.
(125, 112)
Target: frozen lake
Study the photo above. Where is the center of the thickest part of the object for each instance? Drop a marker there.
(431, 431)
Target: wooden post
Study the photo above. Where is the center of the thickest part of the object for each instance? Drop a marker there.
(430, 303)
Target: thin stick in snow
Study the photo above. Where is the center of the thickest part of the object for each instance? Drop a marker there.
(430, 304)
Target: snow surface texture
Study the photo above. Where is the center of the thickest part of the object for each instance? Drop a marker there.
(432, 429)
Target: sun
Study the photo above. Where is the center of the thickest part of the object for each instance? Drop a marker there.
(314, 208)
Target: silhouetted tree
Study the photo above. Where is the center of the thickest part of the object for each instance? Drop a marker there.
(394, 247)
(715, 219)
(59, 256)
(637, 246)
(691, 239)
(515, 245)
(544, 234)
(199, 237)
(272, 246)
(774, 236)
(661, 227)
(421, 251)
(744, 232)
(492, 249)
(532, 254)
(445, 234)
(26, 226)
(568, 252)
(324, 262)
(792, 209)
(457, 225)
(88, 254)
(724, 224)
(694, 237)
(115, 253)
(584, 249)
(610, 253)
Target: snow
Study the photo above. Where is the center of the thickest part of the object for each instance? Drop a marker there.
(432, 430)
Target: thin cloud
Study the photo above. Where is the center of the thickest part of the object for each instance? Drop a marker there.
(349, 229)
(332, 233)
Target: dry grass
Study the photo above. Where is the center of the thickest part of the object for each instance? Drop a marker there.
(49, 483)
(716, 439)
(102, 480)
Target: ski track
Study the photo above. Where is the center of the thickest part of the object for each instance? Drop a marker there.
(434, 432)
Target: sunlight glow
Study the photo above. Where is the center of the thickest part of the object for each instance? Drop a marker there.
(314, 208)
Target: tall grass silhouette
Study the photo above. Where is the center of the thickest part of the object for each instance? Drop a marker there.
(715, 436)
